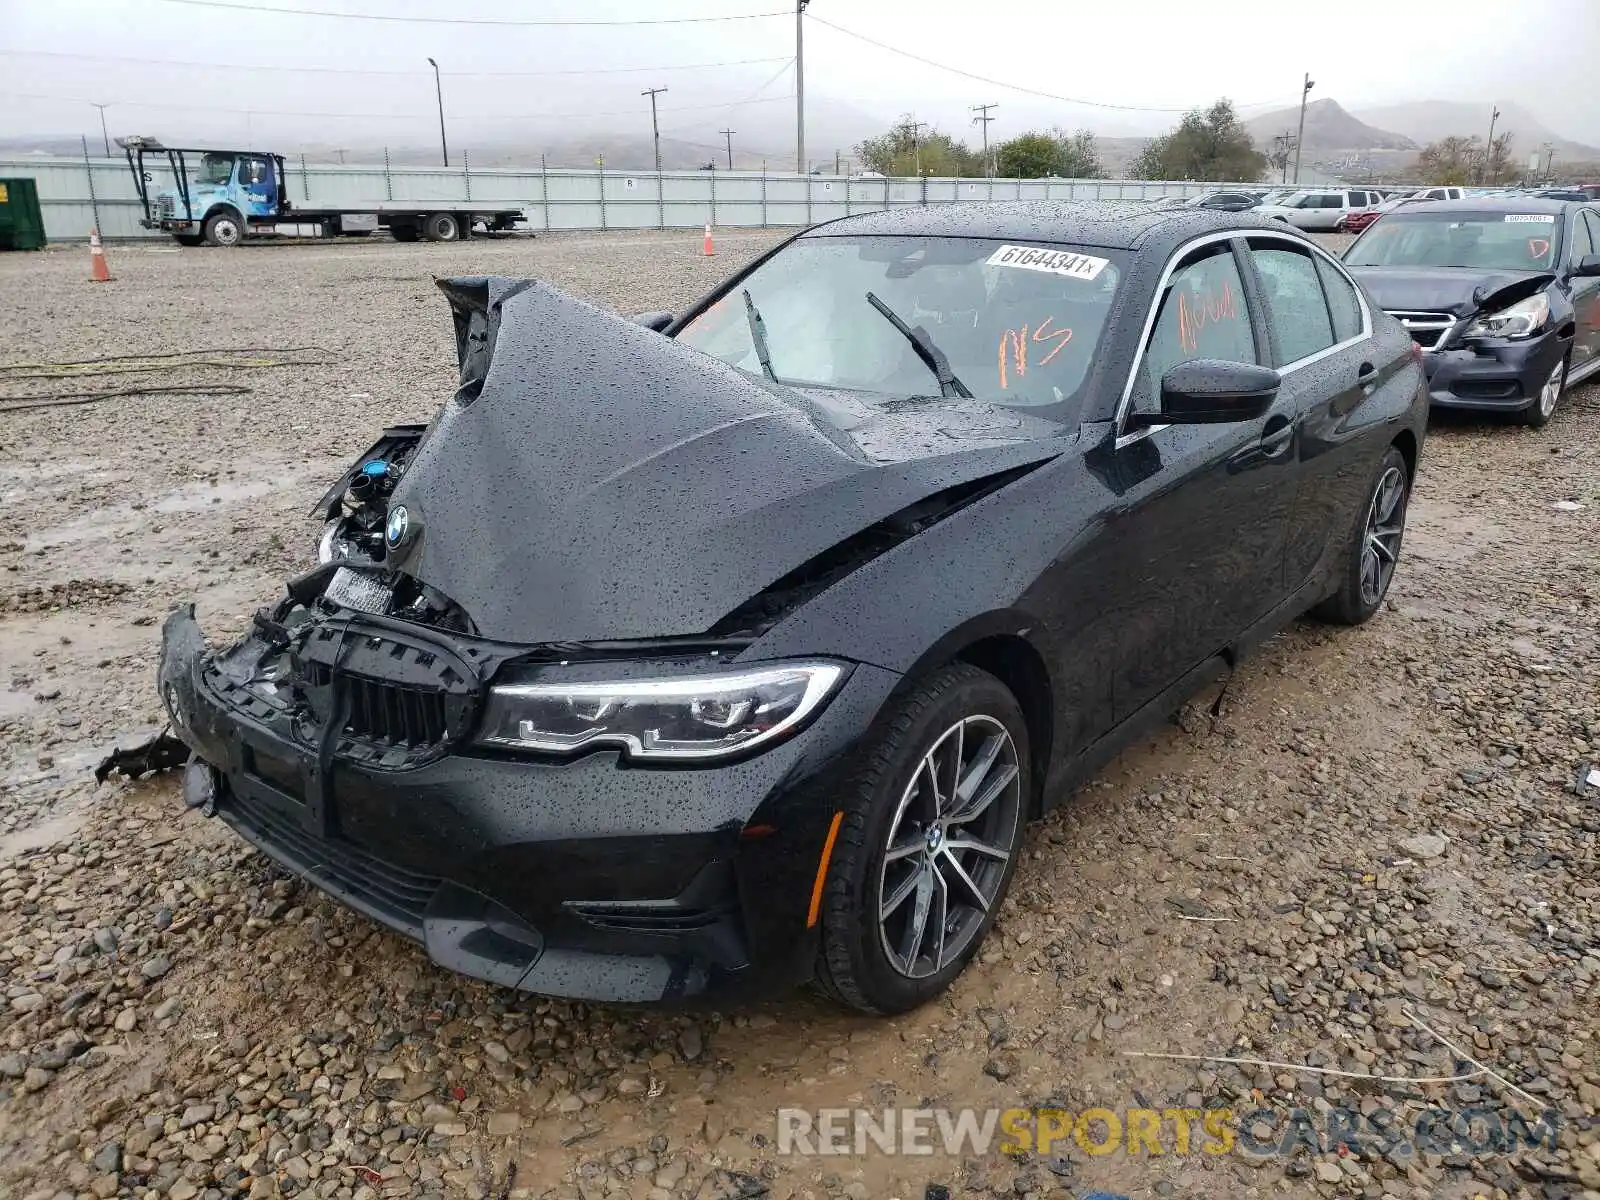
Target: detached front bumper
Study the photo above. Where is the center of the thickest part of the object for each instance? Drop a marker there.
(585, 878)
(1500, 376)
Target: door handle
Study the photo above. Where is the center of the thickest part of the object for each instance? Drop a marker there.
(1277, 439)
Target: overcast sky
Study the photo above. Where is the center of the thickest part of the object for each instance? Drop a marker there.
(1159, 54)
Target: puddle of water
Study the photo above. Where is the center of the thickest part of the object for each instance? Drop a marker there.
(49, 832)
(14, 704)
(124, 518)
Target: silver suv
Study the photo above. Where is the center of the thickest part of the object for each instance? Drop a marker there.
(1321, 208)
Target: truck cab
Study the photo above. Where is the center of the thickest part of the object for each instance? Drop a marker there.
(216, 196)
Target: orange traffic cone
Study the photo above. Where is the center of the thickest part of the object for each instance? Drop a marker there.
(707, 249)
(100, 272)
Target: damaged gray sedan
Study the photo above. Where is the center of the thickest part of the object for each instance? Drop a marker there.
(699, 657)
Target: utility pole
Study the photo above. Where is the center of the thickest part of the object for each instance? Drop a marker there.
(1280, 154)
(341, 154)
(800, 85)
(1549, 158)
(438, 90)
(983, 118)
(655, 130)
(1488, 149)
(1300, 137)
(727, 135)
(104, 136)
(916, 142)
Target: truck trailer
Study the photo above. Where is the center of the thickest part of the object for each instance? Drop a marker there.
(222, 197)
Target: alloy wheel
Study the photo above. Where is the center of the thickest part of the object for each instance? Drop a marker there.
(949, 844)
(1386, 521)
(1551, 391)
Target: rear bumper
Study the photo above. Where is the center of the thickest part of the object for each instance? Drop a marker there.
(1493, 376)
(586, 879)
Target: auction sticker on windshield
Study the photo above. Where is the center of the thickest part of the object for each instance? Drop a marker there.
(1056, 262)
(1531, 218)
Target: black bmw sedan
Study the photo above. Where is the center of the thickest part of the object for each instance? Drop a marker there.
(1503, 296)
(699, 656)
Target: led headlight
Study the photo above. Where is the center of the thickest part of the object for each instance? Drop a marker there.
(682, 717)
(1523, 319)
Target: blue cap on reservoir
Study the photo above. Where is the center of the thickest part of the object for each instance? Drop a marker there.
(375, 468)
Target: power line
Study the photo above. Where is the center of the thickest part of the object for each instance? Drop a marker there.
(271, 112)
(210, 66)
(861, 37)
(599, 21)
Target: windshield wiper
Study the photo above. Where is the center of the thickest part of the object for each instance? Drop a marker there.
(758, 335)
(949, 385)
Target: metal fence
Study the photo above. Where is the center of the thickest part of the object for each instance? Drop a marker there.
(80, 194)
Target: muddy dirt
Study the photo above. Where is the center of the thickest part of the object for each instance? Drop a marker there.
(1379, 842)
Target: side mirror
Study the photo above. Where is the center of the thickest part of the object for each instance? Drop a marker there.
(1589, 264)
(654, 320)
(1209, 391)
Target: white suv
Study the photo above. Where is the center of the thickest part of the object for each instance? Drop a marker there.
(1321, 208)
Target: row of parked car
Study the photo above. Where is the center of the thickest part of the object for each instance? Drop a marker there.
(1352, 209)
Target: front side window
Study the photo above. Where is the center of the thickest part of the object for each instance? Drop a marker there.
(1293, 292)
(1494, 241)
(1019, 323)
(1202, 315)
(254, 172)
(1582, 243)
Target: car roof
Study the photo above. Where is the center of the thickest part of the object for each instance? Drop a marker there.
(1495, 204)
(1109, 224)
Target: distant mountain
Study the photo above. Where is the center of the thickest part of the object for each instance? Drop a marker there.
(1329, 130)
(1429, 120)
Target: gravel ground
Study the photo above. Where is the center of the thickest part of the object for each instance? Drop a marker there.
(1373, 828)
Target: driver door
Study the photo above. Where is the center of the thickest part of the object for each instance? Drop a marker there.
(258, 186)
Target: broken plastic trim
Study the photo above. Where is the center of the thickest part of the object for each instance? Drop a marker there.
(160, 753)
(763, 610)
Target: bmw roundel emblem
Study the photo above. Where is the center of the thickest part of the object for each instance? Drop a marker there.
(399, 525)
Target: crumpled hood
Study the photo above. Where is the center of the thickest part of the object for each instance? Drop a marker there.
(1459, 291)
(592, 479)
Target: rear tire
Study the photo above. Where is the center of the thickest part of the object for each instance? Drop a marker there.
(442, 227)
(224, 229)
(937, 842)
(1373, 550)
(1537, 415)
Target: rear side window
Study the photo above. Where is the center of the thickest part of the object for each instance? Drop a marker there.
(1343, 305)
(1203, 315)
(1294, 298)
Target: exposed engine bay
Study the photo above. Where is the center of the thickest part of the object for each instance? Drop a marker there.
(355, 536)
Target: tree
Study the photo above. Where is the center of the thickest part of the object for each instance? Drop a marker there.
(1449, 160)
(1035, 155)
(909, 150)
(1498, 165)
(1209, 145)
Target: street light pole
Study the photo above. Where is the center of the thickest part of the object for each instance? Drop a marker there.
(438, 90)
(727, 135)
(800, 85)
(1300, 137)
(104, 136)
(655, 130)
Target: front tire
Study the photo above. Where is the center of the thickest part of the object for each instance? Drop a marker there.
(1373, 552)
(933, 823)
(1537, 415)
(224, 229)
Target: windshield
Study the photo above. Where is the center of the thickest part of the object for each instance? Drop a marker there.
(216, 168)
(1414, 237)
(1018, 324)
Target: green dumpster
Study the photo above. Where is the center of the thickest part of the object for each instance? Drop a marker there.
(21, 221)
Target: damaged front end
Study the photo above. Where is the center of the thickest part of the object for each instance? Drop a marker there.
(521, 608)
